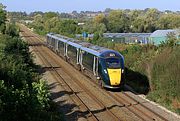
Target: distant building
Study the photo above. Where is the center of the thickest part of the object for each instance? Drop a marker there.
(28, 21)
(81, 24)
(128, 38)
(81, 35)
(155, 38)
(160, 36)
(91, 15)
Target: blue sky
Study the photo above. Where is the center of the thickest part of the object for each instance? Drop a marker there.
(90, 5)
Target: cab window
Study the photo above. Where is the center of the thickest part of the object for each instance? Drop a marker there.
(113, 63)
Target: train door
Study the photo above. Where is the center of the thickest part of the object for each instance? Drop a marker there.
(56, 45)
(95, 66)
(53, 43)
(65, 49)
(77, 56)
(81, 58)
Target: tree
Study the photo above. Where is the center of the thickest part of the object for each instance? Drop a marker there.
(51, 25)
(118, 21)
(68, 27)
(38, 24)
(49, 15)
(22, 95)
(38, 18)
(32, 14)
(169, 21)
(171, 40)
(12, 30)
(136, 21)
(138, 24)
(100, 19)
(2, 19)
(151, 17)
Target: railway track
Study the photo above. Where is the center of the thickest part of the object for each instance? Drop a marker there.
(58, 76)
(137, 108)
(123, 99)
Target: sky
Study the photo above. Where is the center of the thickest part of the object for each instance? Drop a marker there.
(87, 5)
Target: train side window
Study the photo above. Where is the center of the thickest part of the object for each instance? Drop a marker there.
(72, 53)
(88, 60)
(61, 46)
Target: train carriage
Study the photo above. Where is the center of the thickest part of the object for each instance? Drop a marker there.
(105, 65)
(61, 47)
(73, 54)
(89, 62)
(57, 44)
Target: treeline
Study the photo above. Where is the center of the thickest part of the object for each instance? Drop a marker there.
(136, 21)
(115, 21)
(51, 22)
(23, 95)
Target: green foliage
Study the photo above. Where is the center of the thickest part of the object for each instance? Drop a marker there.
(16, 45)
(136, 21)
(172, 40)
(2, 20)
(68, 27)
(165, 78)
(50, 22)
(169, 21)
(12, 30)
(96, 37)
(117, 22)
(49, 15)
(100, 19)
(42, 93)
(155, 69)
(22, 96)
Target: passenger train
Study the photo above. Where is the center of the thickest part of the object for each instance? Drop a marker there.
(102, 64)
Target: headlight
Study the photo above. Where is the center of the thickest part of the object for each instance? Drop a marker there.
(122, 70)
(105, 71)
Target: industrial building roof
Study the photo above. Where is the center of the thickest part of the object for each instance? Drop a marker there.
(163, 33)
(120, 35)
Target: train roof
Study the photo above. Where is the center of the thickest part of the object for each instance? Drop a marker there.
(59, 37)
(73, 44)
(85, 46)
(90, 51)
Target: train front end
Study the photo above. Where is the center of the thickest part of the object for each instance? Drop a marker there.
(112, 69)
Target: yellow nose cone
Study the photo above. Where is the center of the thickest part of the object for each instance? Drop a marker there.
(114, 76)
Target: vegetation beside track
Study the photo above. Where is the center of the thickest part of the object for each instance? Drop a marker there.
(23, 95)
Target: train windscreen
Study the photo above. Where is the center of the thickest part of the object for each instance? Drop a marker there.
(113, 63)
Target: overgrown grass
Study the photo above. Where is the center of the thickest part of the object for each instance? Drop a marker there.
(166, 79)
(155, 71)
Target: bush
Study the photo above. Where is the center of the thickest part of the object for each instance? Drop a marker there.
(165, 78)
(12, 30)
(22, 96)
